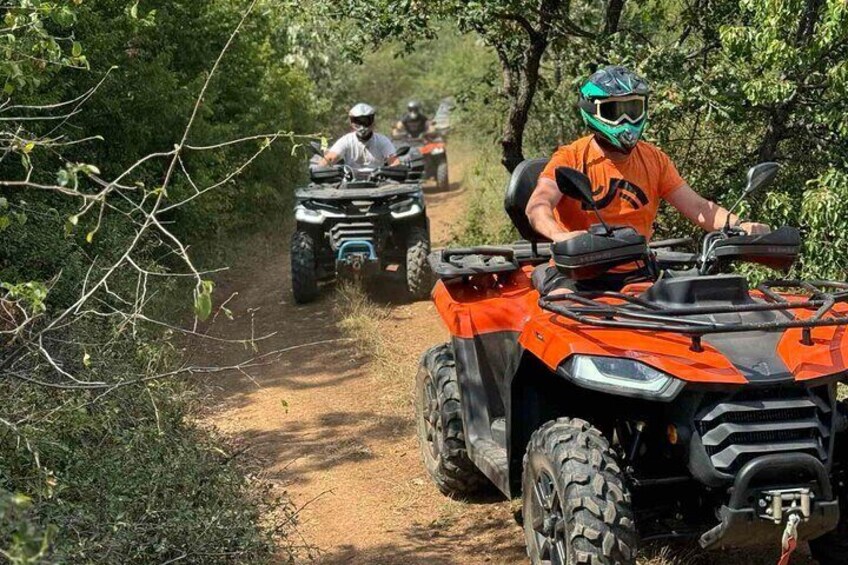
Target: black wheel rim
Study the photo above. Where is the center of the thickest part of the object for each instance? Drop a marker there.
(432, 420)
(547, 520)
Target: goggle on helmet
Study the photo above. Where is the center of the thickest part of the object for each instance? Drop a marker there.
(614, 103)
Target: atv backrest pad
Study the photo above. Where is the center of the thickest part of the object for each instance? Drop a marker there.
(521, 186)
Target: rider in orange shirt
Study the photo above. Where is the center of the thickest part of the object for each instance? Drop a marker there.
(630, 177)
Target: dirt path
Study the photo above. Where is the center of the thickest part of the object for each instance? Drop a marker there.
(337, 434)
(333, 426)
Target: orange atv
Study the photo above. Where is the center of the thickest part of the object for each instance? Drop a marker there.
(685, 405)
(427, 156)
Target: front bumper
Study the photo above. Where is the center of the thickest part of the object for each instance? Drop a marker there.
(747, 520)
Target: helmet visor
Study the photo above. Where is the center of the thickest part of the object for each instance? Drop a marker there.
(615, 111)
(364, 121)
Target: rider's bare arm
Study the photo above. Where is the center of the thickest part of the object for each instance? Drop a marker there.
(329, 159)
(707, 214)
(393, 160)
(540, 211)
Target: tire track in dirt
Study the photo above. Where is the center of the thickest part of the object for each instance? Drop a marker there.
(334, 428)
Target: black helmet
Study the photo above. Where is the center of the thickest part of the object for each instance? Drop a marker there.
(414, 106)
(614, 103)
(362, 119)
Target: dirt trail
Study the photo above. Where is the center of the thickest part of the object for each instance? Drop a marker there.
(334, 428)
(337, 435)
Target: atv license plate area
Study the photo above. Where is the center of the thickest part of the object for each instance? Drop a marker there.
(775, 504)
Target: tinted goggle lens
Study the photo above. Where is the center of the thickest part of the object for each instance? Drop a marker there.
(617, 111)
(365, 121)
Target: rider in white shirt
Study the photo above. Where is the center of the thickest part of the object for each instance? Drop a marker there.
(362, 148)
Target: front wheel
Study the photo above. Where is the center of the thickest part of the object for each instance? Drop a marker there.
(441, 434)
(442, 180)
(576, 508)
(304, 276)
(418, 276)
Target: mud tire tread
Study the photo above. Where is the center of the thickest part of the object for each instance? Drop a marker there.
(442, 175)
(419, 278)
(453, 472)
(600, 526)
(303, 268)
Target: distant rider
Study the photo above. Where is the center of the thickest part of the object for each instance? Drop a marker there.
(362, 148)
(629, 178)
(414, 122)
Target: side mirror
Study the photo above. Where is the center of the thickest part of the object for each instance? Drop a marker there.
(315, 148)
(574, 184)
(403, 150)
(760, 176)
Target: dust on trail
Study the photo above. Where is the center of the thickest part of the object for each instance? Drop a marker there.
(334, 429)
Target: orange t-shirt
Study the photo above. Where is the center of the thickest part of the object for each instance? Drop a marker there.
(627, 192)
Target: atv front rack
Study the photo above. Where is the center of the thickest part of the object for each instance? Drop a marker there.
(637, 313)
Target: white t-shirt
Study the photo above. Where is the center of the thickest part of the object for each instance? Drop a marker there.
(358, 155)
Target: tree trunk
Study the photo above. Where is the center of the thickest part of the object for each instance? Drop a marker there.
(775, 133)
(512, 139)
(614, 10)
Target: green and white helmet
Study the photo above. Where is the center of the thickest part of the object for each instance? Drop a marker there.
(614, 104)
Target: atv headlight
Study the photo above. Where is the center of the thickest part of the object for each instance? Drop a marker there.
(412, 208)
(625, 377)
(437, 151)
(312, 216)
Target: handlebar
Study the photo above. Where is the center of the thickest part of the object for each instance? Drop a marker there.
(707, 259)
(398, 173)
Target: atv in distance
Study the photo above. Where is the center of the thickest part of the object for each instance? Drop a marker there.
(359, 224)
(427, 157)
(687, 404)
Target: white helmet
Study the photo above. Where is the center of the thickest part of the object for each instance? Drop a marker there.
(362, 119)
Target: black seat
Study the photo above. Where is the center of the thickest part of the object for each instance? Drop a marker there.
(521, 186)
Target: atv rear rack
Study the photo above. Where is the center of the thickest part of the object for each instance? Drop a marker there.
(636, 313)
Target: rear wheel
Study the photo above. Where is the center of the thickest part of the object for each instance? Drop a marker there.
(303, 268)
(419, 281)
(575, 505)
(439, 421)
(442, 180)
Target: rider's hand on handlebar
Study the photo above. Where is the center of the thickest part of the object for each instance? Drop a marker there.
(566, 235)
(754, 228)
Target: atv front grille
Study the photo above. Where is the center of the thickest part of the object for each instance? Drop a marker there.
(351, 231)
(736, 430)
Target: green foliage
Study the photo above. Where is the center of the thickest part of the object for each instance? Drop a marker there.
(27, 543)
(161, 58)
(125, 479)
(203, 300)
(30, 44)
(823, 213)
(452, 66)
(112, 467)
(485, 220)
